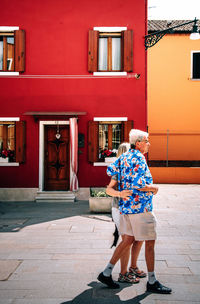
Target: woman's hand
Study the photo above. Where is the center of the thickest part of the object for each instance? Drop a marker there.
(125, 193)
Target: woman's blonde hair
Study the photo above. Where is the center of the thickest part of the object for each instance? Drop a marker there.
(124, 147)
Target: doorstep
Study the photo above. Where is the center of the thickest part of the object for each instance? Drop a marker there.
(55, 197)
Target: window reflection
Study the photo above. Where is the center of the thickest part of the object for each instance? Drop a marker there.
(1, 53)
(103, 54)
(109, 139)
(7, 141)
(103, 137)
(116, 136)
(116, 54)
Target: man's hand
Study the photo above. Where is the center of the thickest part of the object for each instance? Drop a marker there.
(149, 188)
(154, 190)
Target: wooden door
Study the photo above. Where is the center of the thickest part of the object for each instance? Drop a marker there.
(57, 153)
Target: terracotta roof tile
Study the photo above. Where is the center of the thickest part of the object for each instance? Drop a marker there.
(159, 25)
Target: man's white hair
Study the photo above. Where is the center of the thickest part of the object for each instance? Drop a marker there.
(137, 135)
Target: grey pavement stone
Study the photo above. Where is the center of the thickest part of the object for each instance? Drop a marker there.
(195, 268)
(83, 257)
(39, 301)
(181, 292)
(181, 263)
(175, 302)
(195, 257)
(29, 256)
(179, 278)
(63, 228)
(7, 267)
(41, 285)
(81, 228)
(173, 257)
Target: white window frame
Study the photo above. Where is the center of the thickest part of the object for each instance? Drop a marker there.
(191, 71)
(110, 29)
(9, 119)
(110, 118)
(9, 29)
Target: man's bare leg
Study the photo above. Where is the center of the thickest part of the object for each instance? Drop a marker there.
(150, 255)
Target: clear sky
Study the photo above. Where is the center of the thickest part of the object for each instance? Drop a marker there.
(173, 9)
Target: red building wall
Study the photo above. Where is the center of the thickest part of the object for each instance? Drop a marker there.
(56, 45)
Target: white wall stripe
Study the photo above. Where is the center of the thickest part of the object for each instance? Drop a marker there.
(96, 76)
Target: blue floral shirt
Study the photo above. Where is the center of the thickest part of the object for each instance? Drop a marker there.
(133, 173)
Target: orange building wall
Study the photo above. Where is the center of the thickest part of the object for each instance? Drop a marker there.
(173, 101)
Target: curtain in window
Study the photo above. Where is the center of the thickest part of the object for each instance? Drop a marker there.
(73, 153)
(103, 53)
(116, 54)
(1, 55)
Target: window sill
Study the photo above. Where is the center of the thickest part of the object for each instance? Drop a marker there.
(110, 74)
(9, 73)
(195, 79)
(9, 164)
(99, 164)
(104, 164)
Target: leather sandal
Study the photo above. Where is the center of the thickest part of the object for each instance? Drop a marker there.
(137, 272)
(128, 278)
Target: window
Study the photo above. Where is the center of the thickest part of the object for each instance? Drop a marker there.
(110, 51)
(109, 139)
(104, 137)
(12, 141)
(12, 50)
(196, 65)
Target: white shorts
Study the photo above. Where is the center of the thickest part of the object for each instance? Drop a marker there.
(141, 225)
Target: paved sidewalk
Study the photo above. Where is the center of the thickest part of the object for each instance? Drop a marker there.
(52, 253)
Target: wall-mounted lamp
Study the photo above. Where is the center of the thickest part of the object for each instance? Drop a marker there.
(152, 39)
(195, 34)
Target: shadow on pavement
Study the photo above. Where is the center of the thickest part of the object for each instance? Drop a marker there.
(16, 215)
(103, 295)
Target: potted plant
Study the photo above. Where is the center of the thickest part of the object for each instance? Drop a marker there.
(99, 201)
(108, 155)
(7, 155)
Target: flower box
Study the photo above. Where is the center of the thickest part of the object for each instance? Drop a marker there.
(3, 160)
(99, 201)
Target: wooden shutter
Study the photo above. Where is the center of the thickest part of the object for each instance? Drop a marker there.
(19, 37)
(127, 50)
(93, 141)
(20, 141)
(126, 127)
(93, 51)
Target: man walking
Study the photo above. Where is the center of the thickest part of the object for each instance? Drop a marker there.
(137, 222)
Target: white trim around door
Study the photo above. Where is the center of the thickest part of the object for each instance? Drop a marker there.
(41, 148)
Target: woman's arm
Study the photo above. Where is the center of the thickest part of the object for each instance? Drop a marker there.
(110, 190)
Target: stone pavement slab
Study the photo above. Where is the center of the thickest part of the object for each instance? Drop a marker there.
(53, 252)
(7, 267)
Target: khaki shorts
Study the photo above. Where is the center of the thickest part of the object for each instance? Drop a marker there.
(141, 225)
